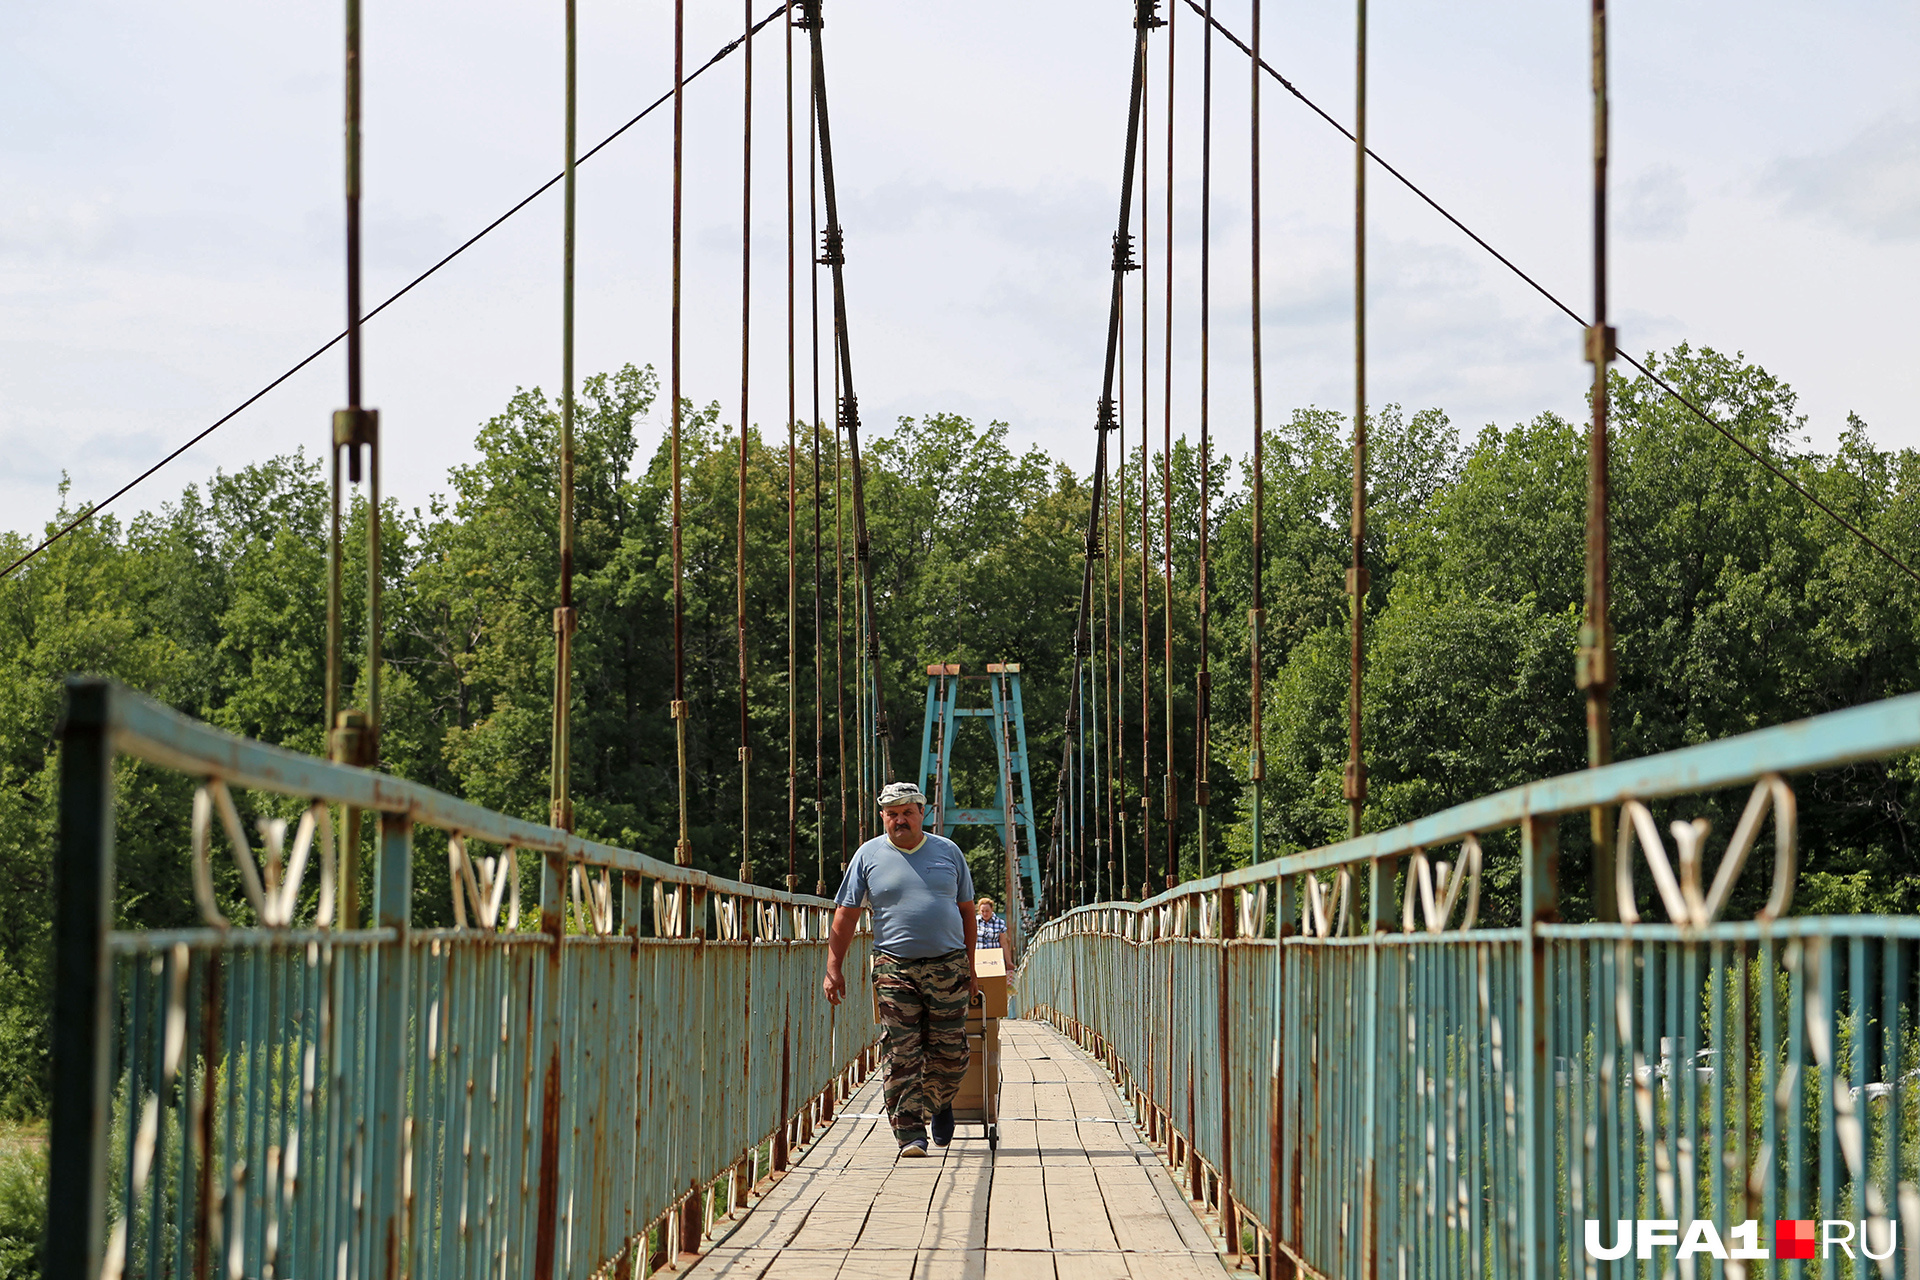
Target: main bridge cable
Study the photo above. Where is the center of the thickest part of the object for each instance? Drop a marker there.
(720, 55)
(1679, 397)
(833, 256)
(1144, 20)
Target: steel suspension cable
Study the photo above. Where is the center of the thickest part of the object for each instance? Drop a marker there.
(1122, 542)
(1171, 790)
(835, 256)
(1354, 784)
(1594, 669)
(1203, 686)
(392, 298)
(1257, 615)
(1105, 422)
(840, 623)
(1146, 497)
(683, 850)
(561, 801)
(352, 736)
(793, 579)
(746, 418)
(819, 674)
(1116, 860)
(1656, 379)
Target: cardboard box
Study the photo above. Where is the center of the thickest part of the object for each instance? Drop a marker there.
(990, 973)
(979, 1097)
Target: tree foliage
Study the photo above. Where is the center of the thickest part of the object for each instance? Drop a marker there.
(1736, 605)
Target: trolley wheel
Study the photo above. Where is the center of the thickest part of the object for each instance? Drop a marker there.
(993, 1137)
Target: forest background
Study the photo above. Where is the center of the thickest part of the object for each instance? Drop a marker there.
(1737, 605)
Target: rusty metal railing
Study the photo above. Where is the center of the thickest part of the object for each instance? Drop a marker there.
(1364, 1081)
(573, 1090)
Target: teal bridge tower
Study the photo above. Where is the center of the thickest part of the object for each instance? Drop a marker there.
(1012, 807)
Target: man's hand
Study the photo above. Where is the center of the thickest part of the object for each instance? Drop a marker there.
(839, 937)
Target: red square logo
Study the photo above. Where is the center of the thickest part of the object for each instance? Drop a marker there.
(1793, 1238)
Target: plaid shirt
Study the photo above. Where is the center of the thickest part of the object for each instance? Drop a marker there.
(991, 932)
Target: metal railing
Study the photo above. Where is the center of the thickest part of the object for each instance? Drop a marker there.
(1363, 1081)
(573, 1092)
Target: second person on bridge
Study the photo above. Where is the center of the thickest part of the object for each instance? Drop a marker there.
(921, 894)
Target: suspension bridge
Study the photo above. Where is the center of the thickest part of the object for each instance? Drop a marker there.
(1323, 1063)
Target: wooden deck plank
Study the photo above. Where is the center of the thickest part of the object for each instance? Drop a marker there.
(951, 1264)
(1105, 1265)
(1073, 1192)
(1013, 1264)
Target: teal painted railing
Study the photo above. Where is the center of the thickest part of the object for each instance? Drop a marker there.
(1395, 1091)
(574, 1095)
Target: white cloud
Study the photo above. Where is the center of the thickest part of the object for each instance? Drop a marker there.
(1870, 184)
(1654, 205)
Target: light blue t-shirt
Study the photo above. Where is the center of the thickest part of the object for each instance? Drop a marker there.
(915, 896)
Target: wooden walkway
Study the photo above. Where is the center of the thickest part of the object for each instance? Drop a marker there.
(1071, 1194)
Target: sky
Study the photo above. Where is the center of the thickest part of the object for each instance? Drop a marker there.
(170, 234)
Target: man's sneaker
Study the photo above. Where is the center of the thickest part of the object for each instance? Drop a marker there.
(915, 1149)
(942, 1126)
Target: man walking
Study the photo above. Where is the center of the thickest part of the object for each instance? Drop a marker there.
(921, 893)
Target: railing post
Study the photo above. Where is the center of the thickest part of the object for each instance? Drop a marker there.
(1539, 897)
(393, 909)
(629, 1061)
(1281, 1170)
(83, 989)
(1229, 929)
(547, 1016)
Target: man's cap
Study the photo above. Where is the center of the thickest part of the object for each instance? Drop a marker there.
(900, 793)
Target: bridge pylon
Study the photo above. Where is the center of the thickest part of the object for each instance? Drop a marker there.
(1012, 807)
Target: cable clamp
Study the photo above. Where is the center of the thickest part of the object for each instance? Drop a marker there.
(1602, 345)
(1593, 667)
(1173, 799)
(1202, 793)
(833, 247)
(678, 710)
(560, 814)
(354, 429)
(880, 728)
(1353, 781)
(1123, 252)
(862, 549)
(352, 740)
(683, 854)
(1360, 575)
(566, 620)
(1148, 16)
(746, 754)
(1105, 418)
(810, 18)
(1094, 550)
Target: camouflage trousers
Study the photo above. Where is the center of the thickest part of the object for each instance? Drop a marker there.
(923, 1033)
